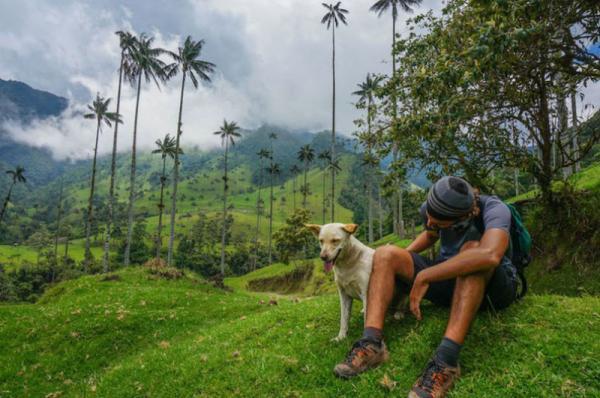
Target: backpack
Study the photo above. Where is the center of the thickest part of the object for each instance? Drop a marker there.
(520, 244)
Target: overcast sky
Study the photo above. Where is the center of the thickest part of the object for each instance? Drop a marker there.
(273, 64)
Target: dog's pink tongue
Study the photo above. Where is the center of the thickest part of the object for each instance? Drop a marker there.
(328, 266)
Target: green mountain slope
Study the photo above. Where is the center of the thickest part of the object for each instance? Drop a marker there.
(140, 336)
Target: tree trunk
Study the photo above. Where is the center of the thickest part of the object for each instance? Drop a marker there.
(161, 207)
(58, 216)
(305, 190)
(260, 182)
(175, 176)
(545, 173)
(561, 131)
(88, 253)
(6, 200)
(324, 194)
(370, 205)
(294, 191)
(113, 165)
(333, 131)
(399, 214)
(132, 178)
(224, 232)
(575, 122)
(271, 221)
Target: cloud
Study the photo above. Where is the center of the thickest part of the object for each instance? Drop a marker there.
(273, 61)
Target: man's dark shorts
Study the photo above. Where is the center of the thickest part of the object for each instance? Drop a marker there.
(500, 291)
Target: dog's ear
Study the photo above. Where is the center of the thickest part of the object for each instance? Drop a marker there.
(350, 228)
(314, 228)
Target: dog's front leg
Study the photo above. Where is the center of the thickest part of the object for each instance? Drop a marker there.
(364, 308)
(345, 311)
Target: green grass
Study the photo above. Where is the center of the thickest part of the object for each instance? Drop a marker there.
(143, 337)
(587, 179)
(13, 256)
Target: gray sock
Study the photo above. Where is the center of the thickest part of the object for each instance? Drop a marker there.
(373, 334)
(447, 352)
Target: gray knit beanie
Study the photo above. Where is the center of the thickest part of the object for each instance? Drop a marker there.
(450, 198)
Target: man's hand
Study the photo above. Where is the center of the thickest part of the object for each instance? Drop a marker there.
(417, 293)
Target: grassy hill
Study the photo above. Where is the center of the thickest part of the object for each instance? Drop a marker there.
(139, 335)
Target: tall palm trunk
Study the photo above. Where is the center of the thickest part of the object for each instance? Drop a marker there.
(161, 207)
(224, 232)
(58, 217)
(575, 122)
(113, 166)
(369, 175)
(305, 190)
(88, 227)
(176, 175)
(6, 200)
(294, 191)
(260, 181)
(324, 194)
(333, 130)
(271, 222)
(132, 178)
(399, 213)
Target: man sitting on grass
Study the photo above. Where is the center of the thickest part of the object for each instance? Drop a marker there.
(473, 271)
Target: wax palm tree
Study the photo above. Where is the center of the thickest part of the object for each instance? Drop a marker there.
(370, 161)
(295, 170)
(187, 59)
(380, 7)
(228, 133)
(145, 63)
(127, 42)
(18, 175)
(366, 92)
(335, 14)
(57, 232)
(333, 166)
(99, 112)
(262, 155)
(273, 170)
(325, 158)
(306, 154)
(166, 148)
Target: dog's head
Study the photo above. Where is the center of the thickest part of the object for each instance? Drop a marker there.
(333, 238)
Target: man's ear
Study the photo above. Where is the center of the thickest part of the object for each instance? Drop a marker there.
(314, 228)
(350, 228)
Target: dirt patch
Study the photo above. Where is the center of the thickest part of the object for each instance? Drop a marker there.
(165, 273)
(291, 282)
(110, 277)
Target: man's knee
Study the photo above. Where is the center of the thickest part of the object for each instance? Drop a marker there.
(392, 257)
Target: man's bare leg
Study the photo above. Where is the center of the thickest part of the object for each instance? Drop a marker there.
(370, 351)
(388, 262)
(442, 371)
(469, 292)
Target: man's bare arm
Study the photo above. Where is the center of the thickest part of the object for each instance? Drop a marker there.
(487, 255)
(423, 241)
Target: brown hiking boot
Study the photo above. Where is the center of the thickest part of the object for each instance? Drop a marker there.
(364, 355)
(435, 381)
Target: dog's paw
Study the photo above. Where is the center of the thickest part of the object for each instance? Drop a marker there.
(338, 338)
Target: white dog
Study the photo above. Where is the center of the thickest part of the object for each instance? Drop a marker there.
(352, 262)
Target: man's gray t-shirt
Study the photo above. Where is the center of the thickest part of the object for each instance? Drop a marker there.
(494, 214)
